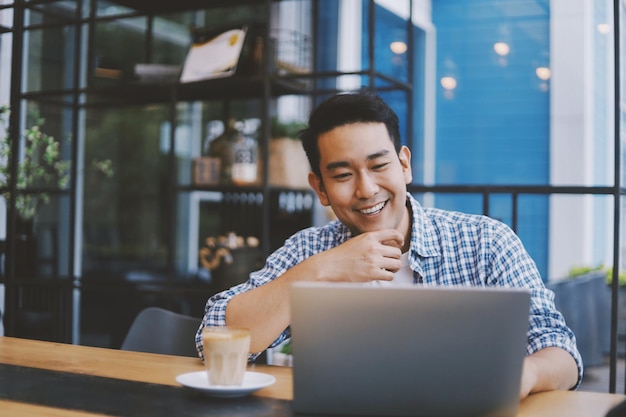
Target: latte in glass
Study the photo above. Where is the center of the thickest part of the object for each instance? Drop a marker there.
(225, 354)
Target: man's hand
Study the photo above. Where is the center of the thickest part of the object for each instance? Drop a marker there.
(363, 258)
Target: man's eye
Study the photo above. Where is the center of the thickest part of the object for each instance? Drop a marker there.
(380, 166)
(341, 176)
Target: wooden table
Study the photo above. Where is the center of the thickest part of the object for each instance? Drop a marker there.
(163, 369)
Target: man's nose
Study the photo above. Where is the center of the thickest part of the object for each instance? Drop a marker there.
(366, 187)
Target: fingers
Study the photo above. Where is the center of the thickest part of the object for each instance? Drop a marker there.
(380, 254)
(389, 237)
(366, 257)
(391, 266)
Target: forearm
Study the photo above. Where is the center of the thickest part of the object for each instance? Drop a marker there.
(266, 310)
(548, 369)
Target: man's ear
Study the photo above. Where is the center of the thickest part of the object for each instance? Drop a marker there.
(318, 186)
(405, 161)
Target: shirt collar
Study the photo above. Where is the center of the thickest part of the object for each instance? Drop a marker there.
(424, 242)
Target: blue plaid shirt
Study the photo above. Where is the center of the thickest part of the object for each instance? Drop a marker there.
(447, 248)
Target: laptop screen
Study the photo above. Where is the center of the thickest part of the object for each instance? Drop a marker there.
(407, 350)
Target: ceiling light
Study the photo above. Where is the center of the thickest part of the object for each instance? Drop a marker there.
(398, 47)
(449, 83)
(543, 73)
(501, 48)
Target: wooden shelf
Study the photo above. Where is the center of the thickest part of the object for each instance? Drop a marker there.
(236, 87)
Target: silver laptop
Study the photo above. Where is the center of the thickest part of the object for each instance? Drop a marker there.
(407, 350)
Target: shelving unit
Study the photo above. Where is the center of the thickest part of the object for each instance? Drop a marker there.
(133, 240)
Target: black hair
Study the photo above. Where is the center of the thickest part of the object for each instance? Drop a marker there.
(346, 108)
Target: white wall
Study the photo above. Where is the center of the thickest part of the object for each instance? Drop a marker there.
(572, 231)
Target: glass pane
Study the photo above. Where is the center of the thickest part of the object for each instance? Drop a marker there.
(398, 100)
(204, 214)
(125, 211)
(197, 126)
(474, 82)
(513, 106)
(327, 47)
(55, 12)
(5, 66)
(6, 17)
(291, 39)
(42, 199)
(46, 138)
(391, 39)
(114, 65)
(466, 202)
(558, 243)
(110, 8)
(50, 231)
(50, 58)
(216, 18)
(584, 300)
(344, 43)
(583, 237)
(171, 39)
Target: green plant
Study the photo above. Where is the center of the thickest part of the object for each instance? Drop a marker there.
(280, 129)
(582, 270)
(286, 348)
(40, 165)
(103, 167)
(621, 277)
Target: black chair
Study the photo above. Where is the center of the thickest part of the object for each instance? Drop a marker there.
(156, 330)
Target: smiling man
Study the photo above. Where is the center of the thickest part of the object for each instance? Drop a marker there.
(383, 236)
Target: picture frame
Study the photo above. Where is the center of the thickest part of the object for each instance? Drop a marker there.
(214, 54)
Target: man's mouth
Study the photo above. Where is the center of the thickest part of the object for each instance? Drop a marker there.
(375, 209)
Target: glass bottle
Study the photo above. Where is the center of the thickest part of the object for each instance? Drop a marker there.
(246, 150)
(238, 154)
(222, 148)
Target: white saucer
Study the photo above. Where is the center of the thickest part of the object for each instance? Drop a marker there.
(199, 381)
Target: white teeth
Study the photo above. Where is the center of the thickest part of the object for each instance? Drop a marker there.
(374, 209)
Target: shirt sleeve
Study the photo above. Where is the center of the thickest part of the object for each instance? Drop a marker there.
(276, 265)
(513, 266)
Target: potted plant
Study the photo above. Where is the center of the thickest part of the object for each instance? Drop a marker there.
(621, 308)
(584, 300)
(282, 354)
(288, 164)
(40, 166)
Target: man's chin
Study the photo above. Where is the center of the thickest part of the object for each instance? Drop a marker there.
(368, 228)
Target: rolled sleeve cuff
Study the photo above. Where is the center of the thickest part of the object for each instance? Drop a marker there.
(567, 345)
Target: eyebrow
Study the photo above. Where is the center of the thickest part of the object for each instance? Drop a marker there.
(342, 164)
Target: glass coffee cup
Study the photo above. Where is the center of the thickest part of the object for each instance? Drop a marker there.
(225, 354)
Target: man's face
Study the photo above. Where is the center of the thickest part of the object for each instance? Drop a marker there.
(363, 179)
